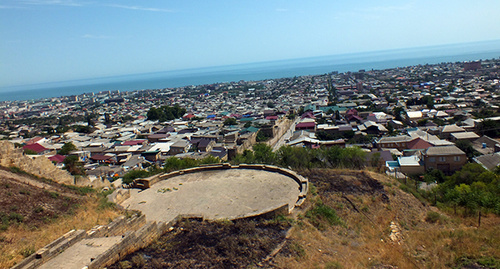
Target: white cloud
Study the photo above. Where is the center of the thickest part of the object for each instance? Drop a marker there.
(71, 3)
(141, 8)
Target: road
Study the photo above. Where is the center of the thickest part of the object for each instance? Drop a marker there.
(286, 135)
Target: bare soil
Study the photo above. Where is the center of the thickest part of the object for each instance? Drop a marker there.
(203, 244)
(33, 202)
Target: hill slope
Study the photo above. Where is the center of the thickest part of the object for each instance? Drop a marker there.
(380, 226)
(34, 212)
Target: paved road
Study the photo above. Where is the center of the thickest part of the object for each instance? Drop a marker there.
(286, 135)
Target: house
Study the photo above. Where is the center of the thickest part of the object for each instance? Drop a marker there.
(396, 142)
(206, 145)
(411, 165)
(157, 137)
(418, 144)
(445, 158)
(414, 115)
(307, 125)
(101, 159)
(486, 145)
(469, 136)
(181, 146)
(371, 127)
(379, 117)
(449, 129)
(488, 161)
(151, 156)
(39, 149)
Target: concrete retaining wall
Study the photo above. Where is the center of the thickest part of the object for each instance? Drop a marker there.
(134, 241)
(118, 226)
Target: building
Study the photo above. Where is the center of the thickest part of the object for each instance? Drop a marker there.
(445, 158)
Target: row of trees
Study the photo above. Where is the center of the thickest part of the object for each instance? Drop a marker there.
(170, 164)
(165, 113)
(472, 189)
(300, 158)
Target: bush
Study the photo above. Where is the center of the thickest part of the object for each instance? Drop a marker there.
(134, 174)
(433, 217)
(322, 213)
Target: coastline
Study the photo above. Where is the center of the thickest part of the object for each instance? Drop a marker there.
(256, 71)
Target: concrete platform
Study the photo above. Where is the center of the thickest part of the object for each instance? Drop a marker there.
(217, 194)
(81, 254)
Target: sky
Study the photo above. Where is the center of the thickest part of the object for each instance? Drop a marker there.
(58, 40)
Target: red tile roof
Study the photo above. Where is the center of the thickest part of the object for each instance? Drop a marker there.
(418, 143)
(57, 158)
(35, 147)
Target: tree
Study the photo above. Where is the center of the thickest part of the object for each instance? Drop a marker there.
(262, 136)
(230, 121)
(67, 148)
(489, 128)
(165, 113)
(397, 113)
(466, 146)
(264, 154)
(73, 165)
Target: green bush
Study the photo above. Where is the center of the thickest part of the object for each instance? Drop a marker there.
(322, 213)
(433, 217)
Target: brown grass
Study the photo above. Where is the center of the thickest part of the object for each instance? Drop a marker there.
(364, 242)
(20, 239)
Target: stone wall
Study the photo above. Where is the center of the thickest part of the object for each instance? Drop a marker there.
(120, 225)
(303, 183)
(279, 130)
(41, 166)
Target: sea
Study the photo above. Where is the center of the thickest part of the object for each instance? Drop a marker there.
(260, 71)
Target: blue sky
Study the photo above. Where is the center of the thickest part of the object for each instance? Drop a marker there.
(57, 40)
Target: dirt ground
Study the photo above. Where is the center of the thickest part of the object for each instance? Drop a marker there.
(34, 212)
(32, 202)
(203, 244)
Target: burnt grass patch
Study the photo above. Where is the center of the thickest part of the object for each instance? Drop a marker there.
(30, 205)
(211, 244)
(346, 182)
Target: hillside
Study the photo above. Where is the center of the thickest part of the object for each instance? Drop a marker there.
(35, 211)
(351, 219)
(381, 226)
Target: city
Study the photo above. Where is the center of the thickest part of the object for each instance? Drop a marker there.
(400, 113)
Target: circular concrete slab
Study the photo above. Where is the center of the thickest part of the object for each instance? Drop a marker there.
(216, 194)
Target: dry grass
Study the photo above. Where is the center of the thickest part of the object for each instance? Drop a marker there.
(364, 242)
(18, 241)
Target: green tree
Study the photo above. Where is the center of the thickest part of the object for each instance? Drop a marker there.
(466, 146)
(67, 148)
(264, 154)
(231, 121)
(73, 165)
(165, 113)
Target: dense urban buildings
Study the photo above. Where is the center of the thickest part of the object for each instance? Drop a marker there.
(417, 117)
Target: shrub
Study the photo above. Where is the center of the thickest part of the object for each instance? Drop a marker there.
(322, 213)
(433, 217)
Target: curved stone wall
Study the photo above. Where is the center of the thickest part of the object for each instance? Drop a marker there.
(145, 183)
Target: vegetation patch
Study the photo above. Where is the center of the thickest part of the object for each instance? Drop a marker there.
(321, 214)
